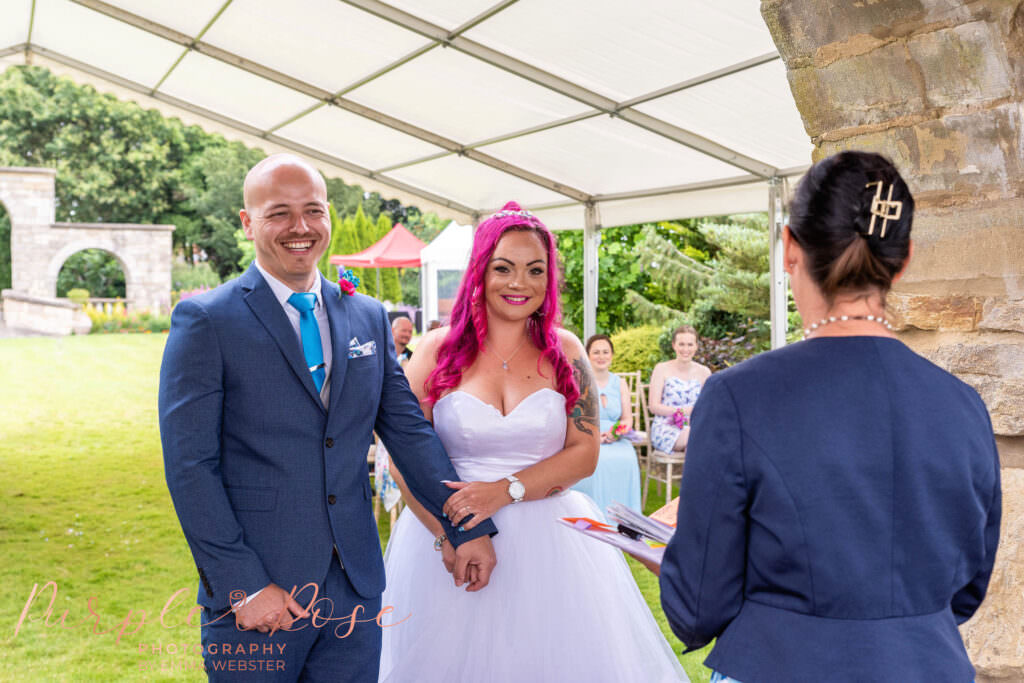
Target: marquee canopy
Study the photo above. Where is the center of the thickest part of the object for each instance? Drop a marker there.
(397, 249)
(645, 110)
(589, 112)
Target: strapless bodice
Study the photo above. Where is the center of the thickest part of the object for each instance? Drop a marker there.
(485, 445)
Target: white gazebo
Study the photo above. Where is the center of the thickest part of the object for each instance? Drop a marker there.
(446, 256)
(589, 112)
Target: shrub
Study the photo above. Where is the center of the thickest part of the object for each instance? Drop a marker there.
(79, 296)
(727, 350)
(178, 295)
(637, 349)
(117, 319)
(184, 276)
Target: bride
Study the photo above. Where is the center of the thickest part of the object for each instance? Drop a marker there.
(513, 399)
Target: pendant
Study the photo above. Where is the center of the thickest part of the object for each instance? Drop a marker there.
(504, 365)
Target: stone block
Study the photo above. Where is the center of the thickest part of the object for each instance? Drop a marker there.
(956, 159)
(960, 66)
(977, 248)
(933, 312)
(1004, 399)
(993, 359)
(800, 30)
(1002, 315)
(994, 637)
(872, 88)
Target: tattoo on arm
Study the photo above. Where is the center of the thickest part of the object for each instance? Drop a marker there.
(584, 412)
(553, 492)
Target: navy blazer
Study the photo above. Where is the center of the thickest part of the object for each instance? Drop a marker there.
(264, 478)
(838, 517)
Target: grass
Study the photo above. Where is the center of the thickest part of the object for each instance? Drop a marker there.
(85, 506)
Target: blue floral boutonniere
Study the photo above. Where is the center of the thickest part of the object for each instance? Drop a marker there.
(348, 281)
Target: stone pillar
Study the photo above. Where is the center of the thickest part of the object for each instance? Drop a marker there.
(938, 87)
(30, 197)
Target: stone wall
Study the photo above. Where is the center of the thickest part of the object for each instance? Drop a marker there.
(40, 246)
(937, 86)
(43, 314)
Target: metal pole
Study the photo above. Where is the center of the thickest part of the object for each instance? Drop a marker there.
(778, 300)
(591, 238)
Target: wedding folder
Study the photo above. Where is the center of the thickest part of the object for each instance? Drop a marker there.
(632, 532)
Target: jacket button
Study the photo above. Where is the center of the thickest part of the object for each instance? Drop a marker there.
(331, 500)
(330, 442)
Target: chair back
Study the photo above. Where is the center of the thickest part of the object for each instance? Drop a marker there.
(635, 401)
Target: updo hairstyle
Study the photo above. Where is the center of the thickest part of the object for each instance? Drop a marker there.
(684, 329)
(831, 215)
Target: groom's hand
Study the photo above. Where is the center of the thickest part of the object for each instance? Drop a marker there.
(474, 562)
(274, 608)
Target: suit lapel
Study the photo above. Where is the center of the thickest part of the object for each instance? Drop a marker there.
(265, 306)
(338, 317)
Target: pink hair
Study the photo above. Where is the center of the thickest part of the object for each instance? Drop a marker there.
(468, 329)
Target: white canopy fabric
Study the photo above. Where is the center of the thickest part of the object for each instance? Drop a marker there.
(450, 250)
(648, 110)
(589, 112)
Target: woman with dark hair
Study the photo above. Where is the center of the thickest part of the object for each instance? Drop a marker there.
(513, 399)
(617, 477)
(839, 514)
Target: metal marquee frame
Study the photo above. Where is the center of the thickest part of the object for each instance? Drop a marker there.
(656, 111)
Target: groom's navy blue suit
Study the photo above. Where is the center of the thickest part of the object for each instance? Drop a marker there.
(267, 481)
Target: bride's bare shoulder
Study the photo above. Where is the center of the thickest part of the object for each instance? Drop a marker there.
(572, 347)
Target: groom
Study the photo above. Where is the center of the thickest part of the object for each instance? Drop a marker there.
(270, 389)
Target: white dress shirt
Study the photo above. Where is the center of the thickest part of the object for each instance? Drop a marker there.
(282, 292)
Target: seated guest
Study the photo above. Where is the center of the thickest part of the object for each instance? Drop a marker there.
(617, 477)
(675, 385)
(840, 509)
(401, 330)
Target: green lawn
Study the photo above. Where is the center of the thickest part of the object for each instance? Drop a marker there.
(84, 505)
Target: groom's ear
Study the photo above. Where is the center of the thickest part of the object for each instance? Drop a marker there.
(246, 219)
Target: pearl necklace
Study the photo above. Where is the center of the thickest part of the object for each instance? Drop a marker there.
(843, 318)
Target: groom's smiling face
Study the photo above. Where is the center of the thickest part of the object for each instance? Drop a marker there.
(286, 217)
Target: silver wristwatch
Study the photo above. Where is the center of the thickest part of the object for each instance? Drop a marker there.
(515, 488)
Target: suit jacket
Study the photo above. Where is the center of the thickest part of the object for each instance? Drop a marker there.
(839, 516)
(265, 479)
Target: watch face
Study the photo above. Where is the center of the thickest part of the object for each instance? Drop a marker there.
(516, 490)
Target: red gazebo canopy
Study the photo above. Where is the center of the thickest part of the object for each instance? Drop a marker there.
(397, 249)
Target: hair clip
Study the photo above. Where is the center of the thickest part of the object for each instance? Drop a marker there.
(886, 209)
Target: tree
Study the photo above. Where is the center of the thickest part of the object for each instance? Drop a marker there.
(94, 270)
(391, 286)
(215, 199)
(620, 274)
(731, 288)
(5, 249)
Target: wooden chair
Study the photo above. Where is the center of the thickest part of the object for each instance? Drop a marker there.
(661, 466)
(638, 406)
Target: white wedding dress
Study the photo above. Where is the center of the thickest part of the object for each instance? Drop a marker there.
(559, 606)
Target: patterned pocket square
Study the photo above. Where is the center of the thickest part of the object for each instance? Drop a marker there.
(357, 350)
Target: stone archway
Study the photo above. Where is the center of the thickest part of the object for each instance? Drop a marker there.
(938, 87)
(66, 255)
(40, 246)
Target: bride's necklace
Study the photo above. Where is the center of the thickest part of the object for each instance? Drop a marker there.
(505, 361)
(842, 318)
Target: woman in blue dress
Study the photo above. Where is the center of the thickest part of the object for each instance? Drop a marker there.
(617, 477)
(675, 385)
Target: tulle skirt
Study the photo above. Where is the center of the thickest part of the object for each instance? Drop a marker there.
(559, 607)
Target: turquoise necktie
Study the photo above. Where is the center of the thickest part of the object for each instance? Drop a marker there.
(309, 330)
